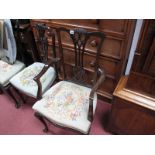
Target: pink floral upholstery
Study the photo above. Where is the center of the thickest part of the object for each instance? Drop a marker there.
(7, 71)
(24, 80)
(5, 67)
(67, 104)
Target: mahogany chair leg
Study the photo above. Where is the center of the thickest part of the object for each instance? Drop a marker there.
(42, 120)
(1, 89)
(20, 95)
(6, 90)
(17, 103)
(1, 92)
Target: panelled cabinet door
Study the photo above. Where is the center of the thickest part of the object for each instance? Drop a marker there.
(149, 66)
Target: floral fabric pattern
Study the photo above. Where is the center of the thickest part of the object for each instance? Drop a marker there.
(28, 74)
(67, 101)
(4, 67)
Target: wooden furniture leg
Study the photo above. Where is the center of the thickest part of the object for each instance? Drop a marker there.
(17, 103)
(42, 120)
(8, 91)
(20, 95)
(1, 92)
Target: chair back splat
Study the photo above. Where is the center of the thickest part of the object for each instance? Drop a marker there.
(43, 32)
(80, 39)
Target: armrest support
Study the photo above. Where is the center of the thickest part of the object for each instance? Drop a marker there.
(91, 96)
(42, 72)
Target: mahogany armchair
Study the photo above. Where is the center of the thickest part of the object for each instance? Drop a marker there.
(37, 78)
(72, 102)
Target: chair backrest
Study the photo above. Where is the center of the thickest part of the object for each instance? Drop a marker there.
(80, 39)
(7, 42)
(16, 30)
(43, 32)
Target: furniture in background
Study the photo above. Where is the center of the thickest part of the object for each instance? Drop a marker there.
(133, 107)
(72, 102)
(114, 51)
(35, 79)
(25, 41)
(9, 66)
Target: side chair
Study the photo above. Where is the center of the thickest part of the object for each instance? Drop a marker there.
(9, 66)
(37, 78)
(71, 103)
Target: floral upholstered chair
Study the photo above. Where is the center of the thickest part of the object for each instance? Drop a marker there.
(72, 102)
(35, 79)
(7, 71)
(9, 66)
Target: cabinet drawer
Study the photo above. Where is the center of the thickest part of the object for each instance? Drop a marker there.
(90, 23)
(116, 25)
(110, 47)
(110, 67)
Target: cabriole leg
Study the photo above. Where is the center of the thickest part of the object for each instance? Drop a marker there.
(42, 120)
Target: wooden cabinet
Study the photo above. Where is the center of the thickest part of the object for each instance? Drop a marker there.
(149, 66)
(115, 49)
(133, 107)
(132, 112)
(142, 75)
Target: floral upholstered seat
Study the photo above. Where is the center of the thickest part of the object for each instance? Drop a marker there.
(67, 104)
(7, 71)
(25, 83)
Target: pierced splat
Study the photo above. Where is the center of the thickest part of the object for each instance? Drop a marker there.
(42, 41)
(80, 38)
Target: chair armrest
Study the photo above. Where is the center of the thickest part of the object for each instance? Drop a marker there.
(42, 72)
(93, 90)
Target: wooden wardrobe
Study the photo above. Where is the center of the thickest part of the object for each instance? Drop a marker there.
(115, 49)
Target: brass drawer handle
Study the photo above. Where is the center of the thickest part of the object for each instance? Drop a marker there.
(93, 43)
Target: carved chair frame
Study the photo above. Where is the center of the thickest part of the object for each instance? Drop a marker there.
(42, 44)
(80, 38)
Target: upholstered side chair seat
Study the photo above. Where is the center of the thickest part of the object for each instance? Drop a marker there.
(25, 83)
(66, 104)
(7, 71)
